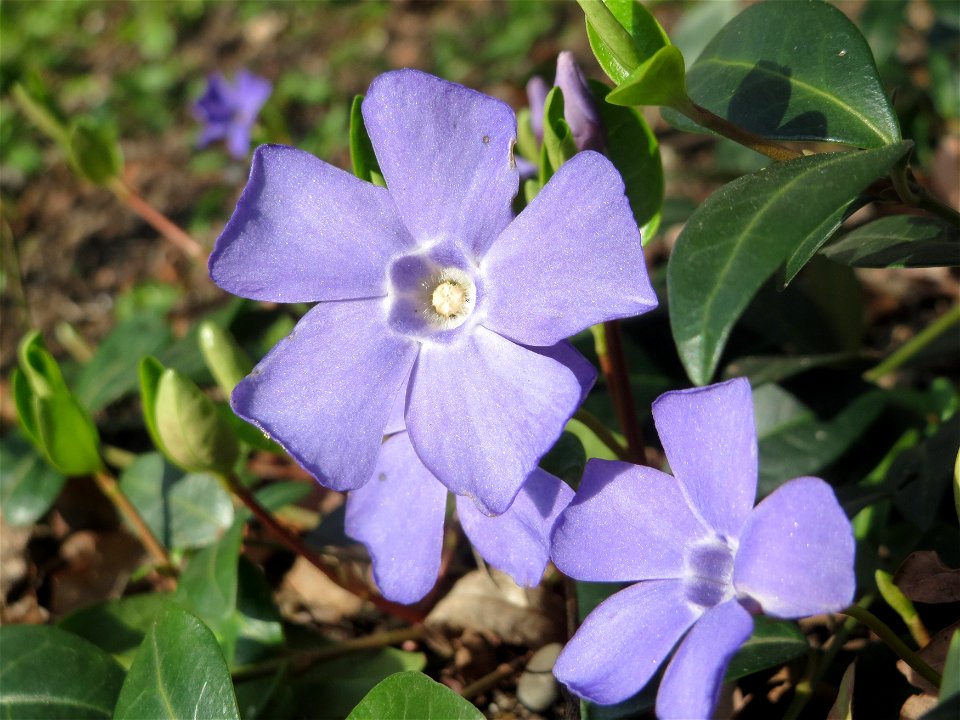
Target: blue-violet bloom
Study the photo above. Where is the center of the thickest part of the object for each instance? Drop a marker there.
(229, 110)
(579, 107)
(434, 304)
(706, 559)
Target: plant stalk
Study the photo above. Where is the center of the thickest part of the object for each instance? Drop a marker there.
(865, 617)
(613, 365)
(295, 543)
(603, 435)
(913, 346)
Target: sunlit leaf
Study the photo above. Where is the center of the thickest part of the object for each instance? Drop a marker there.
(795, 71)
(899, 241)
(179, 672)
(744, 232)
(619, 53)
(47, 673)
(364, 160)
(413, 696)
(659, 80)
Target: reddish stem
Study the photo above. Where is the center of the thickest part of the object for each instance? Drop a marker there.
(160, 222)
(614, 367)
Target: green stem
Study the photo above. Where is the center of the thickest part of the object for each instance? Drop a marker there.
(603, 435)
(909, 349)
(865, 617)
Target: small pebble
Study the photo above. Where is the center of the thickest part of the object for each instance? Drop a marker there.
(537, 689)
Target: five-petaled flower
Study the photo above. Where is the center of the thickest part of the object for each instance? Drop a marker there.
(437, 310)
(704, 556)
(229, 110)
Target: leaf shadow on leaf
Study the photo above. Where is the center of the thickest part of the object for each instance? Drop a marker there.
(760, 103)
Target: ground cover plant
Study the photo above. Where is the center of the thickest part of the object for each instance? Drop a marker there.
(587, 360)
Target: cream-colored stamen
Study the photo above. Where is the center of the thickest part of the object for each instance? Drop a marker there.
(449, 298)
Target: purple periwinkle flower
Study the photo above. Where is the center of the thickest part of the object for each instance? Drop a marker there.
(705, 558)
(229, 110)
(399, 517)
(579, 108)
(434, 304)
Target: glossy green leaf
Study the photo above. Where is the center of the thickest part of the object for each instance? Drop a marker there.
(228, 363)
(28, 485)
(795, 71)
(150, 371)
(69, 437)
(49, 674)
(183, 511)
(208, 584)
(194, 434)
(772, 643)
(659, 80)
(94, 151)
(413, 696)
(337, 685)
(816, 239)
(117, 626)
(112, 373)
(793, 441)
(364, 160)
(899, 241)
(744, 232)
(620, 51)
(178, 673)
(633, 149)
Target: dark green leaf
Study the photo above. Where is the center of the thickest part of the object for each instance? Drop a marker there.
(365, 165)
(257, 621)
(194, 434)
(659, 80)
(922, 475)
(777, 368)
(899, 241)
(337, 685)
(744, 232)
(795, 71)
(183, 511)
(634, 151)
(28, 485)
(113, 370)
(94, 151)
(413, 696)
(117, 626)
(793, 441)
(772, 643)
(178, 673)
(617, 52)
(208, 585)
(47, 674)
(566, 458)
(815, 240)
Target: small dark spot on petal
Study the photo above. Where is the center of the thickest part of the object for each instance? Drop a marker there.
(486, 139)
(382, 477)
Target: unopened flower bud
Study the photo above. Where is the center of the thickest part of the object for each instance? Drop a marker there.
(537, 90)
(579, 109)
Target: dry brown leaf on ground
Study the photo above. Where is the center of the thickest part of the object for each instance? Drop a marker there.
(923, 577)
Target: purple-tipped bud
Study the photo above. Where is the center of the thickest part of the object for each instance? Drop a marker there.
(537, 90)
(579, 110)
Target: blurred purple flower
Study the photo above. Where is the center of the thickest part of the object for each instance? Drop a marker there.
(706, 558)
(229, 110)
(399, 516)
(435, 305)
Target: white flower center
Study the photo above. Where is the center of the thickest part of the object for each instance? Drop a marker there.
(450, 296)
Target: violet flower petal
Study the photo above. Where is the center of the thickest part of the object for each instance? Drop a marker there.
(564, 352)
(571, 259)
(482, 411)
(398, 516)
(518, 541)
(711, 443)
(627, 522)
(304, 230)
(537, 91)
(339, 362)
(446, 153)
(622, 642)
(796, 554)
(251, 92)
(691, 684)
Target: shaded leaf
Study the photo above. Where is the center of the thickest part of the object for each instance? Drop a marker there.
(178, 673)
(48, 673)
(842, 708)
(113, 371)
(413, 696)
(208, 585)
(28, 485)
(796, 83)
(117, 626)
(762, 369)
(898, 241)
(951, 670)
(257, 622)
(744, 232)
(772, 643)
(94, 151)
(183, 511)
(921, 476)
(633, 149)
